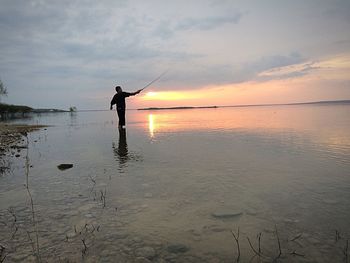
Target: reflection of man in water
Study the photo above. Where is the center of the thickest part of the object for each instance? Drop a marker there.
(119, 100)
(121, 152)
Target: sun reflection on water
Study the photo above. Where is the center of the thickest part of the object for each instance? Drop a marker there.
(151, 125)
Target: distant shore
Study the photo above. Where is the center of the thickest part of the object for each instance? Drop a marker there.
(10, 108)
(339, 102)
(9, 111)
(179, 108)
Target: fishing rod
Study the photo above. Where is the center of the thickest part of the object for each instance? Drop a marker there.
(149, 84)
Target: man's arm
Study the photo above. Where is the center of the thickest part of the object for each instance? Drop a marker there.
(112, 103)
(134, 93)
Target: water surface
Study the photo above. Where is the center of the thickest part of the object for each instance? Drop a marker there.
(177, 182)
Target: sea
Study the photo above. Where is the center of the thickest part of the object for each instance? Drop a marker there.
(232, 184)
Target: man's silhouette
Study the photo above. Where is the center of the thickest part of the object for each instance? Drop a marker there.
(119, 100)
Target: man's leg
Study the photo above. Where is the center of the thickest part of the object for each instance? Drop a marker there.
(121, 115)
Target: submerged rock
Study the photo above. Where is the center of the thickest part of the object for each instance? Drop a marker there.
(226, 214)
(64, 166)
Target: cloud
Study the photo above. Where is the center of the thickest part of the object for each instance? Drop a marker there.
(262, 69)
(208, 23)
(167, 28)
(290, 71)
(338, 64)
(77, 39)
(339, 9)
(88, 44)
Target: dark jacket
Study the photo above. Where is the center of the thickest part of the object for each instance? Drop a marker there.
(119, 100)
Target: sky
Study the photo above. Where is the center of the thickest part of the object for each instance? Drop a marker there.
(57, 54)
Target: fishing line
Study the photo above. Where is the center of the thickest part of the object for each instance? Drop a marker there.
(149, 84)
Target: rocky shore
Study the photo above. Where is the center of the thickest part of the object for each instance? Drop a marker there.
(12, 139)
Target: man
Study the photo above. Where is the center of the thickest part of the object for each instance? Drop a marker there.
(119, 100)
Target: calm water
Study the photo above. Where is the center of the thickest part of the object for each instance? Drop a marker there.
(173, 186)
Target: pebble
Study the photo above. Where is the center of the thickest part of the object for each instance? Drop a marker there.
(196, 238)
(115, 236)
(224, 214)
(87, 207)
(71, 235)
(195, 232)
(106, 253)
(251, 212)
(142, 260)
(290, 221)
(170, 258)
(89, 216)
(145, 252)
(64, 166)
(136, 239)
(177, 248)
(218, 229)
(330, 201)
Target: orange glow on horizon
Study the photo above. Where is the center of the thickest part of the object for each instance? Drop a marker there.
(311, 82)
(169, 95)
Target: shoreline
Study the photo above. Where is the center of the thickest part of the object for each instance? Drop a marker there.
(12, 138)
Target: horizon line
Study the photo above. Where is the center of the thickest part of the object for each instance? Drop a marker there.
(230, 106)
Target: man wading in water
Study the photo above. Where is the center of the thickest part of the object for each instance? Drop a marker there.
(119, 100)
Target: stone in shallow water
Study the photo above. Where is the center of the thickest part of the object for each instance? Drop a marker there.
(177, 248)
(226, 214)
(64, 166)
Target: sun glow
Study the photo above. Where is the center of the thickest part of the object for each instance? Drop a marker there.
(151, 94)
(168, 95)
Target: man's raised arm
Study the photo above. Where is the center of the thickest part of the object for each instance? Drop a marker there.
(136, 92)
(128, 94)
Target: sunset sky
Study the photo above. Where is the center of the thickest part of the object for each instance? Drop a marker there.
(73, 53)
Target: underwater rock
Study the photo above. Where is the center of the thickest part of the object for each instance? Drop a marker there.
(226, 214)
(64, 166)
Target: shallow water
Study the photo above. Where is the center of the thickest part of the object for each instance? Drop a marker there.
(173, 186)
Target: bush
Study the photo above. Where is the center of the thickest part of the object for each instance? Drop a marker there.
(14, 108)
